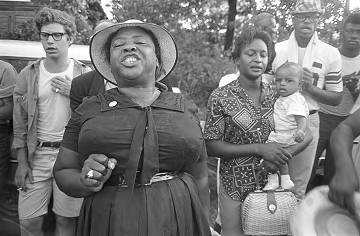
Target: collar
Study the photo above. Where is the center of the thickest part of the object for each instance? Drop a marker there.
(236, 88)
(113, 99)
(314, 39)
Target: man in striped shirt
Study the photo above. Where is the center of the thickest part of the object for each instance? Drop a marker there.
(322, 81)
(332, 116)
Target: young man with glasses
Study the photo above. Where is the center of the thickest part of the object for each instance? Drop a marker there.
(332, 116)
(41, 111)
(322, 81)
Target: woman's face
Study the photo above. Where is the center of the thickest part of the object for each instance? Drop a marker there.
(132, 57)
(253, 59)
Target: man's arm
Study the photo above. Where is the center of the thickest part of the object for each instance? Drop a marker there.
(8, 77)
(327, 97)
(6, 108)
(345, 181)
(20, 124)
(331, 93)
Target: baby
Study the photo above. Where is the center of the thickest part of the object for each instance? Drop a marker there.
(290, 113)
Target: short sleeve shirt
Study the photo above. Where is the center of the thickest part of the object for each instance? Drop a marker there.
(232, 117)
(325, 65)
(285, 110)
(7, 79)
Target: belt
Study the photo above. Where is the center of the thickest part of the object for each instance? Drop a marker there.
(119, 180)
(313, 112)
(49, 144)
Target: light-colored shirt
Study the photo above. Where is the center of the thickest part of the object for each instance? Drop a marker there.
(285, 110)
(350, 70)
(8, 77)
(54, 108)
(226, 79)
(321, 58)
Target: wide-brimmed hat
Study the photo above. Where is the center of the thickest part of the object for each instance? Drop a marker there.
(308, 6)
(168, 50)
(318, 216)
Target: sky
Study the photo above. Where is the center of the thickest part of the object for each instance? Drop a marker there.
(353, 4)
(107, 9)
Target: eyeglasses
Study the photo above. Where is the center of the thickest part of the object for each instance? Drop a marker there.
(55, 36)
(303, 18)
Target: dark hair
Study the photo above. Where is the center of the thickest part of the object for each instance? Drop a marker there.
(353, 18)
(159, 70)
(247, 36)
(48, 15)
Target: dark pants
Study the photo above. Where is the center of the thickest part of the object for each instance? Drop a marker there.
(9, 224)
(4, 154)
(327, 124)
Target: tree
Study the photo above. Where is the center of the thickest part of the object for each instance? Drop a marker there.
(80, 9)
(230, 24)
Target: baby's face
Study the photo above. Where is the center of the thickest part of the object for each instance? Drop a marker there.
(287, 81)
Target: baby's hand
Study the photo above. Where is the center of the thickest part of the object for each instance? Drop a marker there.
(299, 136)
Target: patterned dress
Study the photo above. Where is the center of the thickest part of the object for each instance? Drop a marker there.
(232, 117)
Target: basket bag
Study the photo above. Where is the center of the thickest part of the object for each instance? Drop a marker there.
(268, 212)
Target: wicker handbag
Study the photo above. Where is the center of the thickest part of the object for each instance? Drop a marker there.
(268, 212)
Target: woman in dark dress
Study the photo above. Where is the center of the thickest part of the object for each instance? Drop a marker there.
(136, 152)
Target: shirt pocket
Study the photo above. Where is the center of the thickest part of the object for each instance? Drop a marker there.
(23, 102)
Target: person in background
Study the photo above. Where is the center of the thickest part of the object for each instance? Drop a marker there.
(345, 181)
(238, 123)
(263, 21)
(41, 111)
(8, 77)
(136, 152)
(91, 83)
(290, 113)
(332, 116)
(322, 81)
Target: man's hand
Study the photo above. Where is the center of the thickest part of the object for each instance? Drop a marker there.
(23, 175)
(342, 188)
(61, 85)
(307, 80)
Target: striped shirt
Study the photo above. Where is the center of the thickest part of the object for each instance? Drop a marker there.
(325, 65)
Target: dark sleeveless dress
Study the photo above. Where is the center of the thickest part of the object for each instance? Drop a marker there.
(164, 137)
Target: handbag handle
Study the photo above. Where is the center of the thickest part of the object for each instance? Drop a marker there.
(270, 195)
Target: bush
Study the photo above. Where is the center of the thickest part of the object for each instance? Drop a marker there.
(200, 67)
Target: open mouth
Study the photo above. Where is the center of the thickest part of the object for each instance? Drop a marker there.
(130, 59)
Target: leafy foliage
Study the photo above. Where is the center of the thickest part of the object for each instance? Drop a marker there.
(86, 13)
(199, 27)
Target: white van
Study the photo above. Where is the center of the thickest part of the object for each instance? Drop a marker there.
(20, 52)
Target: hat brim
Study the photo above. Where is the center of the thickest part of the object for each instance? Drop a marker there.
(168, 49)
(318, 216)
